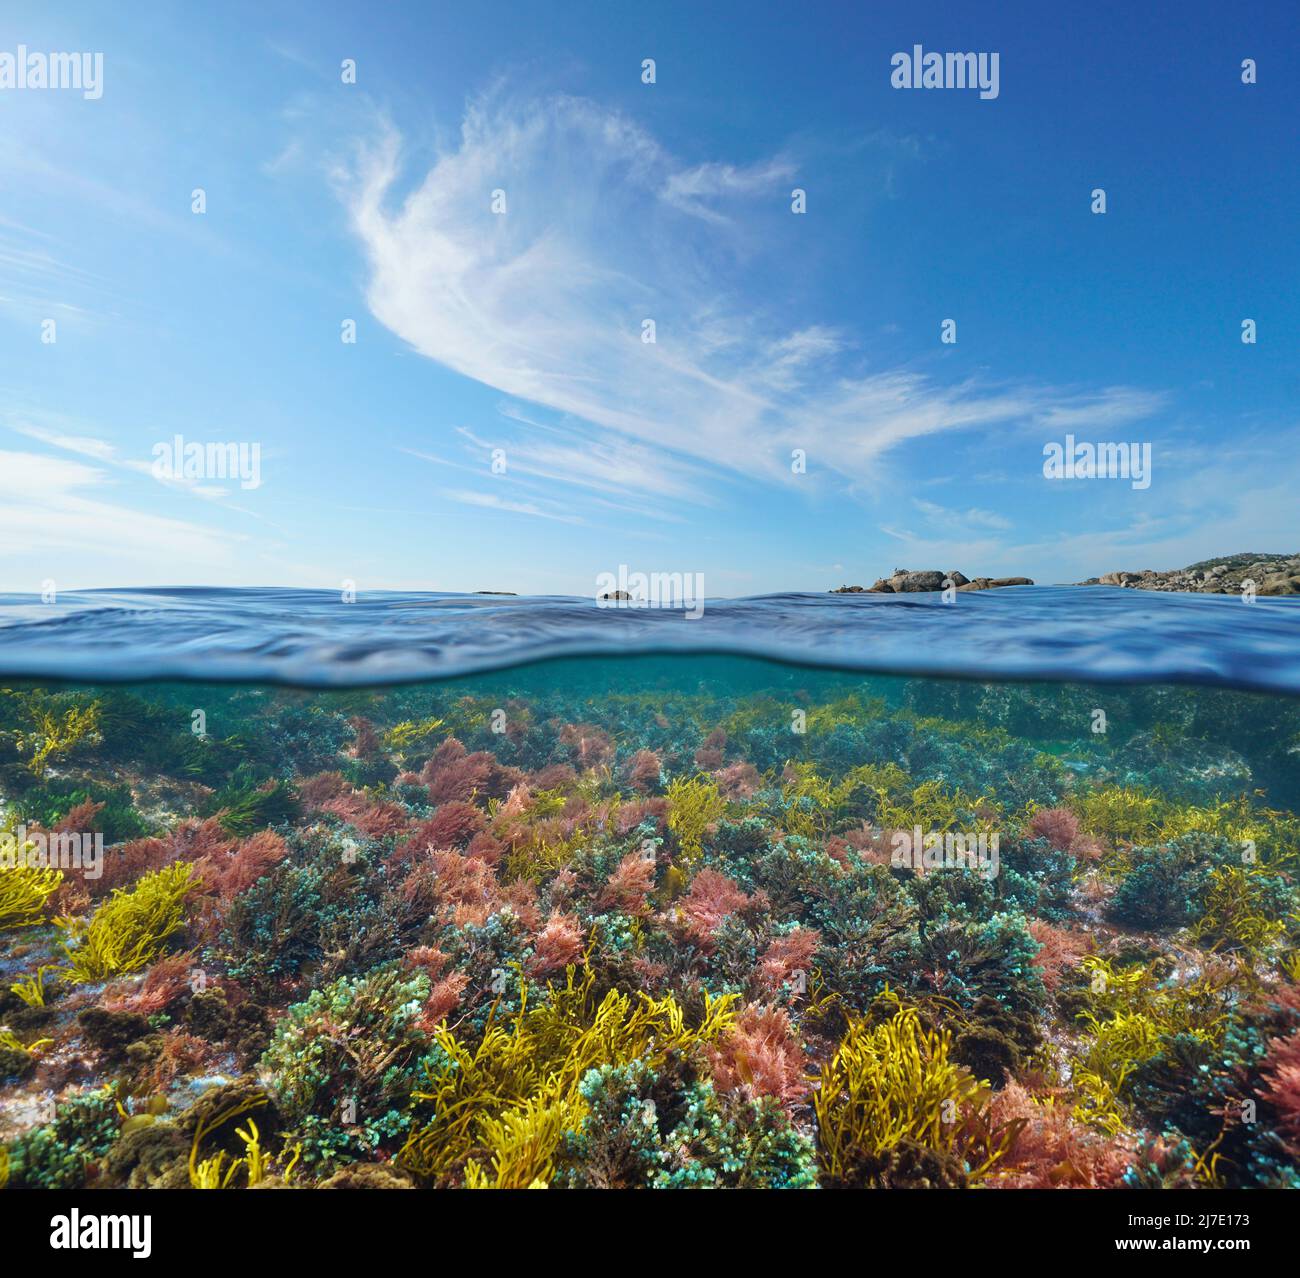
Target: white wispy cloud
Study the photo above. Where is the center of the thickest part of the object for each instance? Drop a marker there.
(608, 464)
(946, 517)
(492, 501)
(53, 506)
(104, 451)
(604, 229)
(99, 449)
(691, 189)
(1108, 409)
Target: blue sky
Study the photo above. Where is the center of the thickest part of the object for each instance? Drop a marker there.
(521, 332)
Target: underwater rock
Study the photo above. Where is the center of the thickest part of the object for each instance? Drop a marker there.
(146, 1051)
(220, 1110)
(15, 1062)
(208, 1014)
(1198, 772)
(369, 1176)
(908, 1165)
(28, 1019)
(150, 1157)
(915, 1166)
(988, 1054)
(113, 1032)
(250, 1031)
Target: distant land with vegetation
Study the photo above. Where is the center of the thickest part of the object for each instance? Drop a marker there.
(1226, 575)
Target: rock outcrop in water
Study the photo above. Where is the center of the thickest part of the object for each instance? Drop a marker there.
(1227, 575)
(903, 582)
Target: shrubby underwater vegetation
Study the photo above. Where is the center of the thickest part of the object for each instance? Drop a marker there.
(649, 923)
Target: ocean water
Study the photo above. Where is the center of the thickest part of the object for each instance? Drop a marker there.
(315, 639)
(842, 891)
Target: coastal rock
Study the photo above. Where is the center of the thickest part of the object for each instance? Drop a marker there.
(1280, 584)
(916, 582)
(1227, 575)
(903, 582)
(994, 583)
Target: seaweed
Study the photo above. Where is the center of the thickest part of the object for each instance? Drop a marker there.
(892, 1105)
(129, 930)
(646, 936)
(538, 1062)
(694, 805)
(345, 1063)
(62, 1153)
(24, 891)
(246, 804)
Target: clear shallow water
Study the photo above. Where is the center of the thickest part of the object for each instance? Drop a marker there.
(381, 865)
(311, 638)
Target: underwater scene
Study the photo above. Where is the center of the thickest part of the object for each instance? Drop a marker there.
(650, 921)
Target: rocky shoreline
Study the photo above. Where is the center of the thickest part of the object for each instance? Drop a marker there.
(1227, 575)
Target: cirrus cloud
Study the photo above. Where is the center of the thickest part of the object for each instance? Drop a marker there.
(604, 229)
